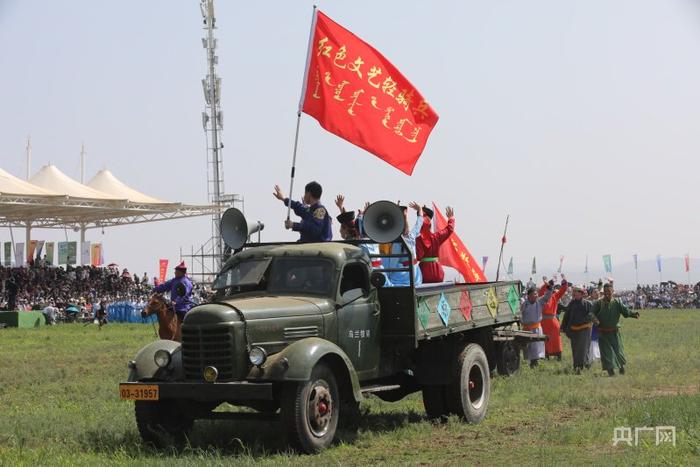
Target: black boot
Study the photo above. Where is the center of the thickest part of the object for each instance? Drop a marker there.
(611, 372)
(577, 370)
(533, 363)
(622, 370)
(559, 357)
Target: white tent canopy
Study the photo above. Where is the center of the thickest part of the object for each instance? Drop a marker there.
(11, 185)
(51, 199)
(105, 182)
(50, 178)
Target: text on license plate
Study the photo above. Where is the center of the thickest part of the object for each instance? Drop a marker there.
(138, 392)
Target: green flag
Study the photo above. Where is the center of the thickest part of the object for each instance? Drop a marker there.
(607, 262)
(49, 252)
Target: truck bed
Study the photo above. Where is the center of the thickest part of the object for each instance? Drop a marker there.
(448, 308)
(413, 314)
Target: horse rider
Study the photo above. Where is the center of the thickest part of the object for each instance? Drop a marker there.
(180, 288)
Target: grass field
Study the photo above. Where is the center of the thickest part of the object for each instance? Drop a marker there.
(59, 405)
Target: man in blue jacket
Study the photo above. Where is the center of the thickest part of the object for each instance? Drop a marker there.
(315, 225)
(180, 288)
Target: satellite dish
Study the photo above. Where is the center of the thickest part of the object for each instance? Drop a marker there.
(235, 229)
(384, 221)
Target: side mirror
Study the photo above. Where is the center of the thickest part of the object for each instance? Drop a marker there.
(377, 279)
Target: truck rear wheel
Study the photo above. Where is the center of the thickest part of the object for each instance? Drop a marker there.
(508, 358)
(310, 410)
(159, 420)
(468, 394)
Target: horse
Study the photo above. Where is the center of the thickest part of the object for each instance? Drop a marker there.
(170, 327)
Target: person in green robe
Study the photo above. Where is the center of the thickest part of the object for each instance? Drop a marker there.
(608, 312)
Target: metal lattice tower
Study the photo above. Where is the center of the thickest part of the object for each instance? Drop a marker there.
(212, 121)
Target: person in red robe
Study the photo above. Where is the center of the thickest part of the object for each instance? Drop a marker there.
(428, 246)
(550, 321)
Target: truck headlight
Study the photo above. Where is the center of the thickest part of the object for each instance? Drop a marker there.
(162, 358)
(257, 356)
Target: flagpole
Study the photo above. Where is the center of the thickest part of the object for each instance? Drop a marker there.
(503, 242)
(301, 104)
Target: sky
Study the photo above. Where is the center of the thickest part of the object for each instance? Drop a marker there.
(577, 118)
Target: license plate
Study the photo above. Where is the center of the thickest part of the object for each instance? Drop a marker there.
(138, 392)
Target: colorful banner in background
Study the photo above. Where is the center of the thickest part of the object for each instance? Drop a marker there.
(49, 252)
(31, 250)
(534, 265)
(39, 249)
(607, 263)
(484, 260)
(8, 254)
(658, 262)
(96, 255)
(687, 263)
(19, 254)
(162, 270)
(85, 253)
(67, 252)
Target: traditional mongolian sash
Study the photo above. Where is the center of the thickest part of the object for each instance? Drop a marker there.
(431, 259)
(532, 326)
(581, 327)
(607, 330)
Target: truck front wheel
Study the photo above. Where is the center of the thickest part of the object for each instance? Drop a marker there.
(158, 420)
(468, 394)
(310, 410)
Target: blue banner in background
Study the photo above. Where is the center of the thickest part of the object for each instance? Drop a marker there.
(128, 312)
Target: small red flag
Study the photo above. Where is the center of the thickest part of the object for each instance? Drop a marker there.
(162, 269)
(356, 93)
(453, 253)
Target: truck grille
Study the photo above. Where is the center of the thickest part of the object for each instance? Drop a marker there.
(202, 347)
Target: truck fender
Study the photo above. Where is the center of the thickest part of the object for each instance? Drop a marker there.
(143, 367)
(297, 360)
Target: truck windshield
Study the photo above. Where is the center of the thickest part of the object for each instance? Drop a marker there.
(244, 274)
(301, 275)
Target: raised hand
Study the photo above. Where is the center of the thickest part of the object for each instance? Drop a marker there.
(288, 224)
(416, 206)
(278, 193)
(449, 212)
(339, 201)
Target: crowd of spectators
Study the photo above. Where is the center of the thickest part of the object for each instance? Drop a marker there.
(81, 288)
(664, 295)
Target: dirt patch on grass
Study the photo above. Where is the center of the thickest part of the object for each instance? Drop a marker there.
(674, 391)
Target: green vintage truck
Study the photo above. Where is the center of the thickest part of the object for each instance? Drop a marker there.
(304, 332)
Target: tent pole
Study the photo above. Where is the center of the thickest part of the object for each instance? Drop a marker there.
(82, 241)
(28, 239)
(14, 249)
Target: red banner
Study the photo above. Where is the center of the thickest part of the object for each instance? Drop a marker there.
(687, 263)
(163, 270)
(357, 94)
(453, 253)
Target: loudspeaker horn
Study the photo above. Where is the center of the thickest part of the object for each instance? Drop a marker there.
(384, 221)
(235, 229)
